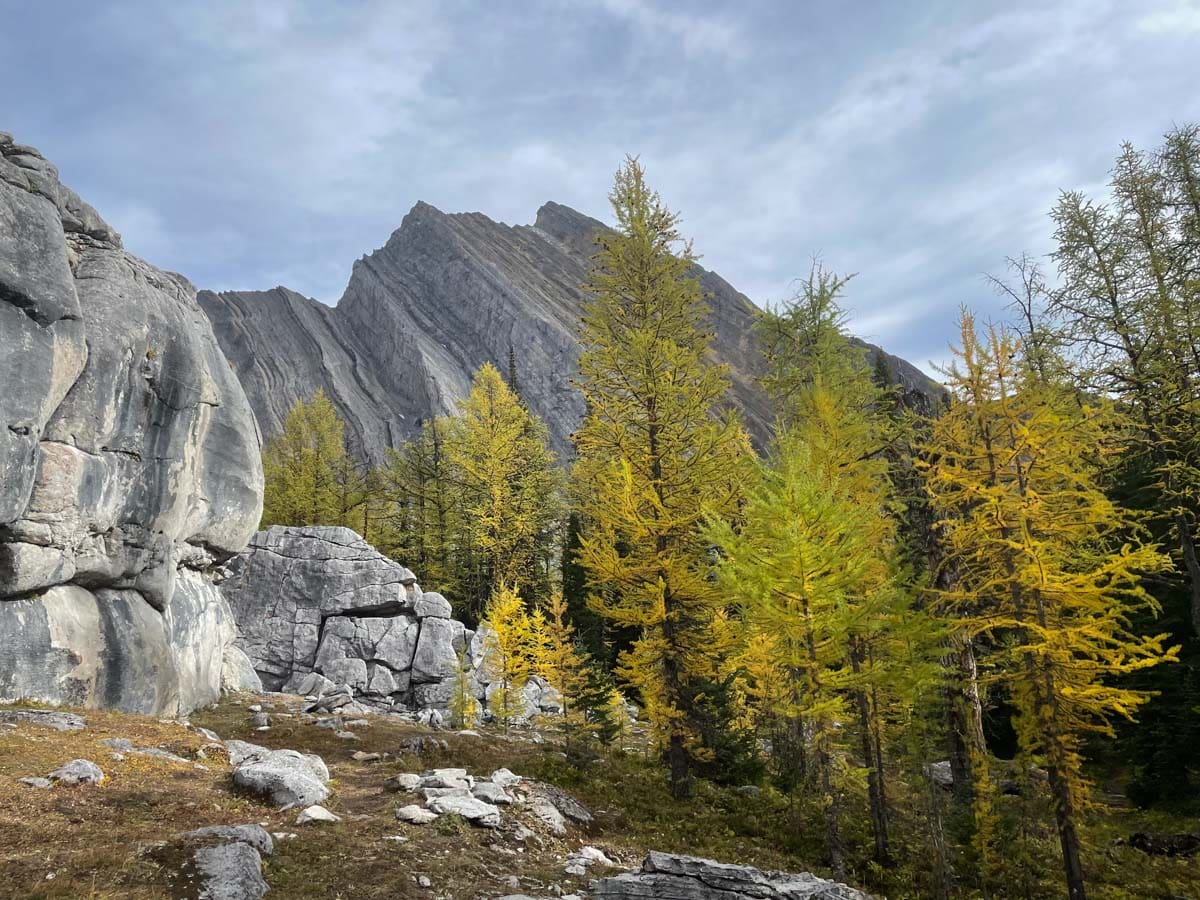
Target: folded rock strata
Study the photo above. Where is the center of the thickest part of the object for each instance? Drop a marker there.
(445, 294)
(129, 462)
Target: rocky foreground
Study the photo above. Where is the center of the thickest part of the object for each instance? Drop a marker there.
(256, 797)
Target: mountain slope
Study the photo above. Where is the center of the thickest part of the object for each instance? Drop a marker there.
(444, 295)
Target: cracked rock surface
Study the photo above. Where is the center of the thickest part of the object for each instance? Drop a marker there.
(129, 462)
(666, 876)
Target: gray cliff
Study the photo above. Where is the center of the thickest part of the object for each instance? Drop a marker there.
(317, 604)
(129, 462)
(444, 295)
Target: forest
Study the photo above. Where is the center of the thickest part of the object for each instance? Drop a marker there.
(956, 633)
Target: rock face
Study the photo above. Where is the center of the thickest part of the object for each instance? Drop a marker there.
(129, 462)
(444, 295)
(323, 600)
(668, 877)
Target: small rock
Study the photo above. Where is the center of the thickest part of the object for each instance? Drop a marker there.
(474, 811)
(347, 735)
(940, 774)
(260, 720)
(254, 708)
(358, 723)
(37, 782)
(547, 813)
(364, 756)
(206, 734)
(406, 781)
(77, 771)
(422, 744)
(59, 721)
(584, 858)
(396, 838)
(447, 778)
(505, 778)
(423, 881)
(749, 790)
(316, 815)
(284, 835)
(491, 792)
(415, 815)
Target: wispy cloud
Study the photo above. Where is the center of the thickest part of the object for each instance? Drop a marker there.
(698, 34)
(917, 144)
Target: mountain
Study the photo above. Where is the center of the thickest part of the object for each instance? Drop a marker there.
(445, 294)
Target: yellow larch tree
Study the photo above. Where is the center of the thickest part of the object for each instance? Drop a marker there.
(652, 457)
(510, 485)
(512, 643)
(1047, 564)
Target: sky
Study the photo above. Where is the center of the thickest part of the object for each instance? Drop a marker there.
(918, 144)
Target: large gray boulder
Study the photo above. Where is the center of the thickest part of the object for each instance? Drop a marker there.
(286, 778)
(129, 462)
(317, 601)
(666, 876)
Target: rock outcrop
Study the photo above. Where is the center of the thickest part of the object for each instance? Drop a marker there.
(322, 600)
(444, 295)
(129, 462)
(671, 877)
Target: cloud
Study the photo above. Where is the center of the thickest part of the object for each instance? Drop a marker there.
(1180, 19)
(698, 35)
(918, 144)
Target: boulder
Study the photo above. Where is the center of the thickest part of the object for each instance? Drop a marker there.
(77, 771)
(436, 657)
(237, 672)
(666, 876)
(129, 463)
(433, 604)
(231, 871)
(317, 606)
(290, 583)
(286, 778)
(505, 778)
(406, 781)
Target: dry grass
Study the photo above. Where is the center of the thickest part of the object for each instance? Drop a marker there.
(106, 842)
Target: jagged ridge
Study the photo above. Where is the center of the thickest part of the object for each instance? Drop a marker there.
(444, 295)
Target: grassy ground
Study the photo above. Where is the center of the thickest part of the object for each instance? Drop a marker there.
(106, 842)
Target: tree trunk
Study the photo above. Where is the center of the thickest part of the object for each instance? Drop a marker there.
(1191, 562)
(872, 759)
(1068, 837)
(831, 807)
(677, 759)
